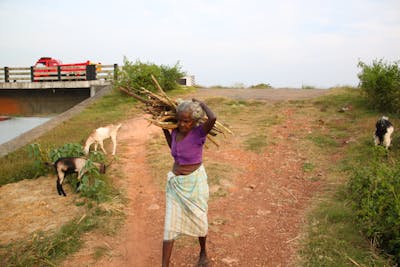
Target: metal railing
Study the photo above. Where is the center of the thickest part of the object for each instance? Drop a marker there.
(59, 73)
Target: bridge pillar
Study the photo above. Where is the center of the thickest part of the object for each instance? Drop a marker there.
(92, 91)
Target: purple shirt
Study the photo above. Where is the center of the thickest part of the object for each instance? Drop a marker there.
(189, 150)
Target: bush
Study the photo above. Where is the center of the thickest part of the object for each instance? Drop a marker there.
(307, 87)
(381, 85)
(261, 86)
(138, 74)
(375, 190)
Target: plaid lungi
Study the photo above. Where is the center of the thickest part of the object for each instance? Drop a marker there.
(186, 204)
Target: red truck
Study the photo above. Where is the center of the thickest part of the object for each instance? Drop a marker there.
(50, 69)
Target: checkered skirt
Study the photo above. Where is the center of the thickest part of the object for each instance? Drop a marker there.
(186, 204)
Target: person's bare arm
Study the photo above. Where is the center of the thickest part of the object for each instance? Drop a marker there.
(211, 118)
(168, 137)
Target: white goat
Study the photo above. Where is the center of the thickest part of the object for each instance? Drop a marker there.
(99, 135)
(64, 166)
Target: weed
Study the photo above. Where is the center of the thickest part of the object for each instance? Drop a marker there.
(256, 143)
(323, 140)
(308, 167)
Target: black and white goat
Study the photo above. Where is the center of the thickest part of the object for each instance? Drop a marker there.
(99, 135)
(68, 165)
(383, 132)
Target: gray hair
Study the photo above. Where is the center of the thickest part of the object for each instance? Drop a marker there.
(192, 107)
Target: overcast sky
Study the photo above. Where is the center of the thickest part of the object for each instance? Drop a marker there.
(285, 43)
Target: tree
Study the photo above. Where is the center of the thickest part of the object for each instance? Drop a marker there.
(138, 74)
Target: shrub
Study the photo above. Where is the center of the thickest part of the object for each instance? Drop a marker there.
(375, 190)
(307, 87)
(380, 83)
(261, 86)
(138, 74)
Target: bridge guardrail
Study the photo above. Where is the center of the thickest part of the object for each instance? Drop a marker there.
(60, 73)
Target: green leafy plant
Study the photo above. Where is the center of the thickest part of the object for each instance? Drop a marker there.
(67, 150)
(91, 185)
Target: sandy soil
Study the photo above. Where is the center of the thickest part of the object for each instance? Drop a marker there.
(256, 224)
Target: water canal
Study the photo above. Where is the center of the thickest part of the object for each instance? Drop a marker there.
(15, 126)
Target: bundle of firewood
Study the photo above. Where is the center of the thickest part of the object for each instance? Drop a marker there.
(162, 108)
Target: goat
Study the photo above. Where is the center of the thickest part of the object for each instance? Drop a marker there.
(67, 165)
(99, 135)
(383, 132)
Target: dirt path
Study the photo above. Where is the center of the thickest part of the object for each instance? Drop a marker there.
(138, 244)
(256, 224)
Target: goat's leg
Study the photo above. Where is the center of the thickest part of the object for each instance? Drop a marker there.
(95, 146)
(80, 174)
(376, 140)
(60, 189)
(87, 146)
(386, 140)
(114, 141)
(102, 147)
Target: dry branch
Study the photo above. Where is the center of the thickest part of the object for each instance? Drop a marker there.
(162, 108)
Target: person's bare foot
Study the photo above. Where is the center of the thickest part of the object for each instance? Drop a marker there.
(203, 261)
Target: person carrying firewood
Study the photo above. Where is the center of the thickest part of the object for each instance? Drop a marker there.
(187, 188)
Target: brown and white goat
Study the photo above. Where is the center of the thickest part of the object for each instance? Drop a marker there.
(99, 135)
(383, 132)
(68, 165)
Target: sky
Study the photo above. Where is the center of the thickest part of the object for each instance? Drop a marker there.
(284, 43)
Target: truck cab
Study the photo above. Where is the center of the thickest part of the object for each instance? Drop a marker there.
(47, 62)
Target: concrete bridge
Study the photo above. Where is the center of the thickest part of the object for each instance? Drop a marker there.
(38, 98)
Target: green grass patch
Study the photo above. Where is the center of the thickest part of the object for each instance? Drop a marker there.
(50, 249)
(256, 143)
(308, 167)
(332, 238)
(323, 141)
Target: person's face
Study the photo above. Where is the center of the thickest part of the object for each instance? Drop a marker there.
(185, 122)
